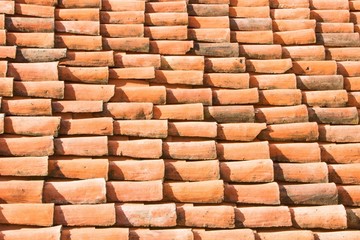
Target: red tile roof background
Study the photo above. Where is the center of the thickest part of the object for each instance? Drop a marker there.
(179, 119)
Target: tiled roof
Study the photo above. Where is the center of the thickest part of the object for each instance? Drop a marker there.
(179, 119)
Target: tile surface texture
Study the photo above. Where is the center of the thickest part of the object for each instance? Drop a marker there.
(179, 119)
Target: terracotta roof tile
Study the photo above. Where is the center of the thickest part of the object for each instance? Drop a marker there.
(166, 107)
(146, 215)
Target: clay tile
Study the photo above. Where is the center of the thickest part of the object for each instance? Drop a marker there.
(260, 51)
(276, 115)
(334, 27)
(129, 111)
(301, 173)
(95, 75)
(245, 132)
(192, 129)
(337, 4)
(293, 24)
(349, 195)
(230, 114)
(136, 170)
(348, 68)
(174, 47)
(79, 4)
(39, 2)
(8, 52)
(7, 7)
(32, 126)
(193, 111)
(268, 66)
(43, 89)
(77, 106)
(88, 126)
(81, 146)
(346, 53)
(18, 191)
(243, 151)
(208, 22)
(29, 24)
(245, 234)
(280, 97)
(288, 13)
(83, 215)
(340, 153)
(79, 168)
(166, 32)
(34, 10)
(283, 235)
(328, 98)
(78, 27)
(77, 14)
(351, 235)
(27, 214)
(320, 82)
(206, 216)
(289, 4)
(98, 233)
(235, 97)
(208, 9)
(310, 194)
(261, 171)
(166, 19)
(250, 12)
(26, 107)
(325, 217)
(187, 96)
(75, 42)
(188, 77)
(270, 81)
(182, 63)
(134, 191)
(227, 80)
(150, 148)
(295, 37)
(6, 87)
(147, 234)
(264, 194)
(86, 92)
(332, 16)
(295, 152)
(40, 55)
(88, 191)
(142, 128)
(50, 233)
(129, 5)
(196, 150)
(211, 191)
(263, 217)
(33, 71)
(193, 171)
(216, 49)
(154, 94)
(37, 40)
(340, 134)
(348, 115)
(249, 3)
(252, 37)
(127, 17)
(304, 53)
(40, 146)
(225, 65)
(146, 215)
(296, 132)
(152, 7)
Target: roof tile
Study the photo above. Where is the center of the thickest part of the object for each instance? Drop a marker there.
(245, 132)
(150, 148)
(295, 152)
(316, 172)
(136, 170)
(178, 170)
(276, 115)
(21, 191)
(146, 215)
(211, 191)
(125, 191)
(83, 215)
(243, 151)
